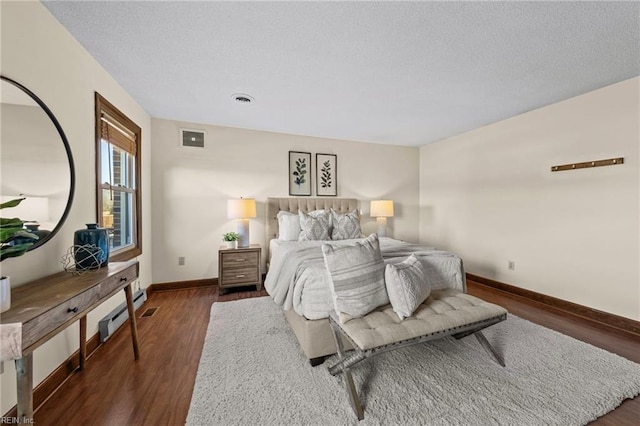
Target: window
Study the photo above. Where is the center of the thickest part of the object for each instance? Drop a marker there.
(118, 180)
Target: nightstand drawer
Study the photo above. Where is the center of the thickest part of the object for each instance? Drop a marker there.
(239, 267)
(240, 275)
(240, 259)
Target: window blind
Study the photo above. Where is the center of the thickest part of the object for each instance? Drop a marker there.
(118, 135)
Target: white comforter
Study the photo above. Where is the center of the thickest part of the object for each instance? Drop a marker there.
(297, 278)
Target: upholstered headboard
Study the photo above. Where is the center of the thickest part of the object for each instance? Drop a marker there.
(305, 204)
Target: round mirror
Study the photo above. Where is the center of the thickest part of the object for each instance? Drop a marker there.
(35, 161)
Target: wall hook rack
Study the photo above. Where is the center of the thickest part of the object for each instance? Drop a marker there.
(588, 164)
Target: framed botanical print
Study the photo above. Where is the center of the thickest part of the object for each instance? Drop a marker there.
(299, 173)
(326, 175)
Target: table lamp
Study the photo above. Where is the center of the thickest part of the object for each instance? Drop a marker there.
(381, 210)
(243, 210)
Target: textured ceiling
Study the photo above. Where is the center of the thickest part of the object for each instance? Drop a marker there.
(405, 73)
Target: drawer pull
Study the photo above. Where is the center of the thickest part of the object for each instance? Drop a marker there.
(123, 279)
(240, 260)
(74, 310)
(240, 276)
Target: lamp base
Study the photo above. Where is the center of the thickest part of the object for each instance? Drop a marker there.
(243, 231)
(382, 226)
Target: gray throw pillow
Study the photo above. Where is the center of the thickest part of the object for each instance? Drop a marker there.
(345, 226)
(315, 228)
(407, 286)
(356, 273)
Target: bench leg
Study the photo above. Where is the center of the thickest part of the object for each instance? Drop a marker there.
(488, 348)
(346, 373)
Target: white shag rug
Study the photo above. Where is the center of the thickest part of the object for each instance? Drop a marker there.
(252, 372)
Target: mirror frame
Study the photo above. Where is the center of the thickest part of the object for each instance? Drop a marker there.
(67, 148)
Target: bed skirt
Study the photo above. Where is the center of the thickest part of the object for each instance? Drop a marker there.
(314, 336)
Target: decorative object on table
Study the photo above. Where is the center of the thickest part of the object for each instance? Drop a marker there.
(243, 210)
(5, 294)
(299, 173)
(231, 239)
(381, 210)
(326, 175)
(91, 254)
(91, 247)
(14, 242)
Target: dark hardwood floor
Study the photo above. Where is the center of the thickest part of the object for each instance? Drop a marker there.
(156, 390)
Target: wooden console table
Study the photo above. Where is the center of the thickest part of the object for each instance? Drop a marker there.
(44, 307)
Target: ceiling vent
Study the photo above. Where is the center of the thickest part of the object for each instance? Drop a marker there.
(242, 98)
(192, 138)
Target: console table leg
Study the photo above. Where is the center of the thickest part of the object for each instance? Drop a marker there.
(132, 320)
(83, 341)
(24, 376)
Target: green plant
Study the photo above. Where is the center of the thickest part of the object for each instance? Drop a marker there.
(326, 175)
(11, 230)
(301, 170)
(230, 236)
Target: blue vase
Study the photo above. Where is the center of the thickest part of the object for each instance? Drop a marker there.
(91, 247)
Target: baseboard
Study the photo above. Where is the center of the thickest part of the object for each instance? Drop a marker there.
(48, 386)
(611, 320)
(181, 285)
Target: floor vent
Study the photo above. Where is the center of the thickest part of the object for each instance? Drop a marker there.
(109, 324)
(149, 312)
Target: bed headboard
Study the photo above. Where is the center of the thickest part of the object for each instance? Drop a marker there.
(305, 204)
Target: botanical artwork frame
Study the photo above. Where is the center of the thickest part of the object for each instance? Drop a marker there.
(326, 175)
(299, 173)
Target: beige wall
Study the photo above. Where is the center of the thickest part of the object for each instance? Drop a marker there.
(40, 54)
(191, 187)
(489, 195)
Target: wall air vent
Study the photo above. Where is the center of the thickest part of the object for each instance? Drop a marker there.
(192, 138)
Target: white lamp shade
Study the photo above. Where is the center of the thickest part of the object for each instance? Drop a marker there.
(244, 208)
(381, 208)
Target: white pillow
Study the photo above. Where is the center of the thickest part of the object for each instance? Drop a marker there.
(345, 226)
(407, 286)
(356, 273)
(288, 226)
(315, 226)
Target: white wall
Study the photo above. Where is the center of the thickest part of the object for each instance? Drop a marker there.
(40, 54)
(191, 187)
(489, 195)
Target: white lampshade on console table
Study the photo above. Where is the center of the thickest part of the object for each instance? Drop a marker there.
(242, 210)
(381, 210)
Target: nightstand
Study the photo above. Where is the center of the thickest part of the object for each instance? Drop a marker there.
(239, 267)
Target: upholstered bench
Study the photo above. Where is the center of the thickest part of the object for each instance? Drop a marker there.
(445, 313)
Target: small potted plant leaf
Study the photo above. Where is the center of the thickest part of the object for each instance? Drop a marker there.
(15, 240)
(231, 239)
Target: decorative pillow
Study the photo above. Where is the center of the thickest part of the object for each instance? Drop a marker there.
(317, 213)
(356, 277)
(288, 226)
(315, 228)
(345, 226)
(407, 286)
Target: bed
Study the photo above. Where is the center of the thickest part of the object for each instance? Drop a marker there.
(297, 279)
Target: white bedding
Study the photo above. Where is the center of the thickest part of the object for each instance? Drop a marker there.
(297, 278)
